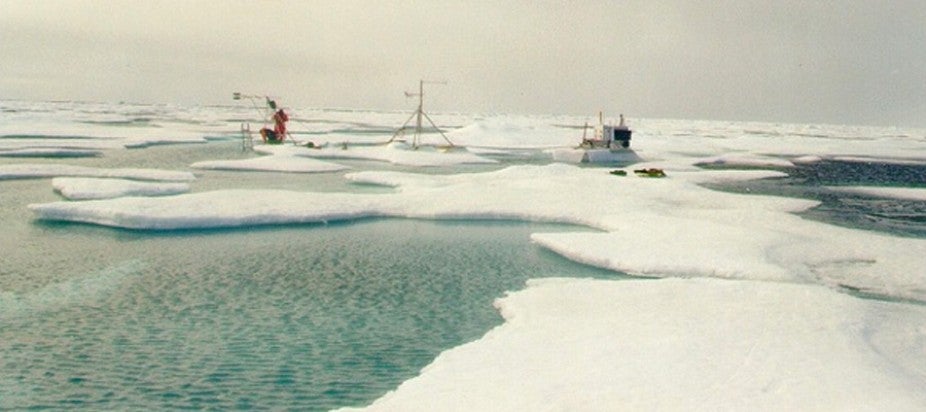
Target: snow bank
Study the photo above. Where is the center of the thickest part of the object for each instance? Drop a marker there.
(279, 163)
(26, 171)
(75, 188)
(588, 345)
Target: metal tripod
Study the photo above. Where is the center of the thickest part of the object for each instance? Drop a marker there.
(418, 115)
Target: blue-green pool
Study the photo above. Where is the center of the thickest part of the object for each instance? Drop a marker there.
(307, 317)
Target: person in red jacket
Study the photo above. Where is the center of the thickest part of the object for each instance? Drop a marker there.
(278, 134)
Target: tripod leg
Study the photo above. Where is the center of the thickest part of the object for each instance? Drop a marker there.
(437, 128)
(402, 128)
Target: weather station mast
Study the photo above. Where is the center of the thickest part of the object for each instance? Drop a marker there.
(418, 115)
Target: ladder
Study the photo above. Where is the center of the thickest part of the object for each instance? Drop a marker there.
(247, 139)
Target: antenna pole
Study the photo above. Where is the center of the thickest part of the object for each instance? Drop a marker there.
(420, 112)
(418, 115)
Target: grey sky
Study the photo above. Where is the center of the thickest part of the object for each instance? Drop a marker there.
(858, 62)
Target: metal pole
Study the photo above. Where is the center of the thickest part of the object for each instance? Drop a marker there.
(419, 115)
(420, 112)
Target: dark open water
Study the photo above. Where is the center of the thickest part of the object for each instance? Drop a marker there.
(821, 181)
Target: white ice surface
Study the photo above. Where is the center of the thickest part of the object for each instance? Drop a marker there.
(519, 132)
(94, 136)
(674, 344)
(746, 160)
(807, 159)
(223, 208)
(276, 163)
(52, 143)
(396, 153)
(907, 193)
(39, 170)
(81, 188)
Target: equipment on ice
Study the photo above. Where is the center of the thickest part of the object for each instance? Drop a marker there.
(608, 136)
(609, 144)
(418, 114)
(277, 134)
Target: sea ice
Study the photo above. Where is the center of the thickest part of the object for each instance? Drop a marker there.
(78, 188)
(222, 208)
(51, 143)
(677, 344)
(39, 170)
(277, 163)
(519, 132)
(653, 227)
(788, 342)
(92, 134)
(399, 153)
(746, 160)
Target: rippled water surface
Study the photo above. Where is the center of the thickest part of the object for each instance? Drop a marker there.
(309, 317)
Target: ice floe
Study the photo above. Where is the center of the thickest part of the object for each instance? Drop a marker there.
(80, 188)
(84, 135)
(746, 161)
(590, 345)
(399, 153)
(277, 163)
(223, 208)
(40, 170)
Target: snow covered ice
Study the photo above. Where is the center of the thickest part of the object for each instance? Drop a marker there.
(75, 188)
(752, 309)
(679, 344)
(399, 153)
(25, 171)
(280, 163)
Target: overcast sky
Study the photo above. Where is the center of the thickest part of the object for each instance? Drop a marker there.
(855, 61)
